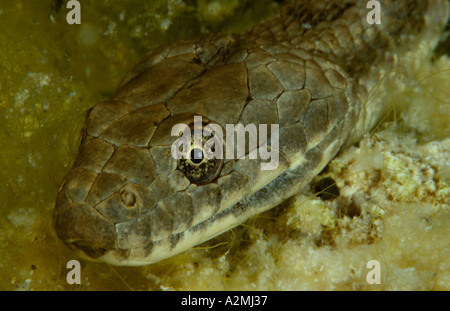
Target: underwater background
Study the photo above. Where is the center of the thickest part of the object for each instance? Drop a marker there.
(394, 185)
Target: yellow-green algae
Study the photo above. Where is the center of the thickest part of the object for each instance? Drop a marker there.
(396, 179)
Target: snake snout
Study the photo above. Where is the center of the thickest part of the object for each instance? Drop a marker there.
(84, 230)
(94, 216)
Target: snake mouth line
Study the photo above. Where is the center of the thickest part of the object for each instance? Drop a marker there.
(94, 247)
(86, 249)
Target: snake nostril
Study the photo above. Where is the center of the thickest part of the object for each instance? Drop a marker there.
(128, 198)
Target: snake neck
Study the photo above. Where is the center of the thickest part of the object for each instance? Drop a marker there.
(340, 33)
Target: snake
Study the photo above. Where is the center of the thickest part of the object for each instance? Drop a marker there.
(309, 69)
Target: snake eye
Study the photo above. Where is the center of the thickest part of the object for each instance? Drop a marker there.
(197, 155)
(202, 166)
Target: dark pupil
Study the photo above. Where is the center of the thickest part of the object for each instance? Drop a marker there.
(196, 155)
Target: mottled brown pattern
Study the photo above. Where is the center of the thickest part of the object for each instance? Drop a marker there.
(308, 69)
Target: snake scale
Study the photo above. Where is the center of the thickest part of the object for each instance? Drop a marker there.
(127, 201)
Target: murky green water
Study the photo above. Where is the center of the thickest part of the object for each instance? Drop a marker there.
(51, 73)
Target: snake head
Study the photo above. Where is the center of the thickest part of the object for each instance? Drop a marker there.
(128, 201)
